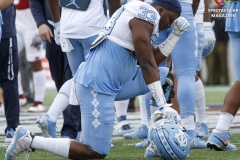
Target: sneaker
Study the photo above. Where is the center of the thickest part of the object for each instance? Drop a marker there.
(220, 142)
(37, 107)
(198, 143)
(143, 144)
(9, 135)
(47, 126)
(22, 100)
(21, 142)
(201, 130)
(123, 126)
(149, 153)
(140, 133)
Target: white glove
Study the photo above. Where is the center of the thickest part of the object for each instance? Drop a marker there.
(180, 26)
(166, 113)
(56, 27)
(209, 35)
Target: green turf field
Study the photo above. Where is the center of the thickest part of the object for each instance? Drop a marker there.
(125, 150)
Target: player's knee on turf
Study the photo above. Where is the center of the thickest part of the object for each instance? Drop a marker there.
(83, 151)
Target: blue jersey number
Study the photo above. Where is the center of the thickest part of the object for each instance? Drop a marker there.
(148, 15)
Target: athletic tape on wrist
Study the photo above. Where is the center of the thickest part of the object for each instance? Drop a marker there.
(157, 93)
(167, 46)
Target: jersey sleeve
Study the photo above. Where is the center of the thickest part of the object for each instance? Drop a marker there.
(145, 12)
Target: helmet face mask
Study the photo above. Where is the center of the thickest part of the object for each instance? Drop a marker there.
(168, 140)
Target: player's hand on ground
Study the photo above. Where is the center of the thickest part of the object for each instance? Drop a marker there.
(209, 35)
(180, 26)
(56, 26)
(45, 33)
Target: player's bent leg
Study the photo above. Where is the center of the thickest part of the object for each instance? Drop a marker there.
(136, 83)
(25, 141)
(81, 151)
(98, 116)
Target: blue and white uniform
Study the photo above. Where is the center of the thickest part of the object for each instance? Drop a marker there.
(110, 73)
(233, 29)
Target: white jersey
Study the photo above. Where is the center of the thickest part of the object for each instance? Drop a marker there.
(198, 18)
(120, 22)
(83, 24)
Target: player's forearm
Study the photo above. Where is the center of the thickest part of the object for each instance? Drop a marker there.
(147, 62)
(5, 3)
(54, 9)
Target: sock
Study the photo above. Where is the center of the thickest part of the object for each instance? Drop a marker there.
(188, 122)
(39, 80)
(59, 146)
(60, 102)
(200, 102)
(121, 107)
(143, 110)
(224, 121)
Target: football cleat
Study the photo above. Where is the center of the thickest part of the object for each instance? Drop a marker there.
(198, 143)
(220, 142)
(201, 130)
(47, 126)
(150, 153)
(139, 133)
(9, 135)
(21, 142)
(123, 126)
(143, 144)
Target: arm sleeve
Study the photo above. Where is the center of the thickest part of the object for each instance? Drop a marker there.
(38, 11)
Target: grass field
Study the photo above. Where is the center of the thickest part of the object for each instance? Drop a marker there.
(125, 150)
